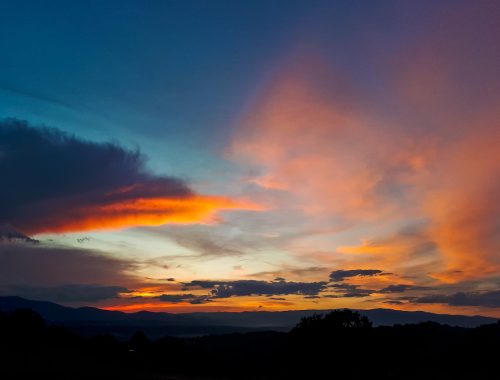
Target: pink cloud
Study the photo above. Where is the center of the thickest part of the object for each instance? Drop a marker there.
(346, 161)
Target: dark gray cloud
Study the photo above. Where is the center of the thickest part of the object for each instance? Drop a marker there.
(400, 288)
(348, 291)
(66, 293)
(201, 284)
(55, 178)
(191, 298)
(226, 289)
(485, 299)
(343, 286)
(356, 293)
(340, 275)
(394, 302)
(351, 290)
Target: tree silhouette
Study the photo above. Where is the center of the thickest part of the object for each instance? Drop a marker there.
(333, 321)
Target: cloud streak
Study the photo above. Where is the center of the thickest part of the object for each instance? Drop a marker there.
(45, 265)
(70, 293)
(63, 274)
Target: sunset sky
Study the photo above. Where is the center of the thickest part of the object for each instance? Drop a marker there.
(251, 155)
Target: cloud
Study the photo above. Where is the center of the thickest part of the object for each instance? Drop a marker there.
(59, 183)
(409, 250)
(62, 274)
(484, 299)
(340, 275)
(452, 85)
(289, 271)
(353, 290)
(394, 302)
(400, 288)
(177, 298)
(308, 122)
(201, 284)
(348, 291)
(343, 286)
(421, 144)
(206, 241)
(226, 289)
(48, 266)
(66, 293)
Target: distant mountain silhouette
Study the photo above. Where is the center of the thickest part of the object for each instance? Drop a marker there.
(57, 313)
(379, 317)
(91, 320)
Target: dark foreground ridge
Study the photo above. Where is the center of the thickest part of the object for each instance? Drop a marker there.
(341, 344)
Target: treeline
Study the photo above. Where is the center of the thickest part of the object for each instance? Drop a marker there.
(338, 345)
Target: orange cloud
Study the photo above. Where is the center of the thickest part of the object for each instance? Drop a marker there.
(463, 206)
(409, 253)
(143, 212)
(311, 136)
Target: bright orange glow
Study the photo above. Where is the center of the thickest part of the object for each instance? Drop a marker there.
(144, 212)
(133, 307)
(292, 302)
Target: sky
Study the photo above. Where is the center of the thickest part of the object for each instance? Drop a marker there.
(268, 155)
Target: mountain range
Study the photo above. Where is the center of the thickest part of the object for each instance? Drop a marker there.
(91, 320)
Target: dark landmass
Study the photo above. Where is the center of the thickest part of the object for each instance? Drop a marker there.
(341, 344)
